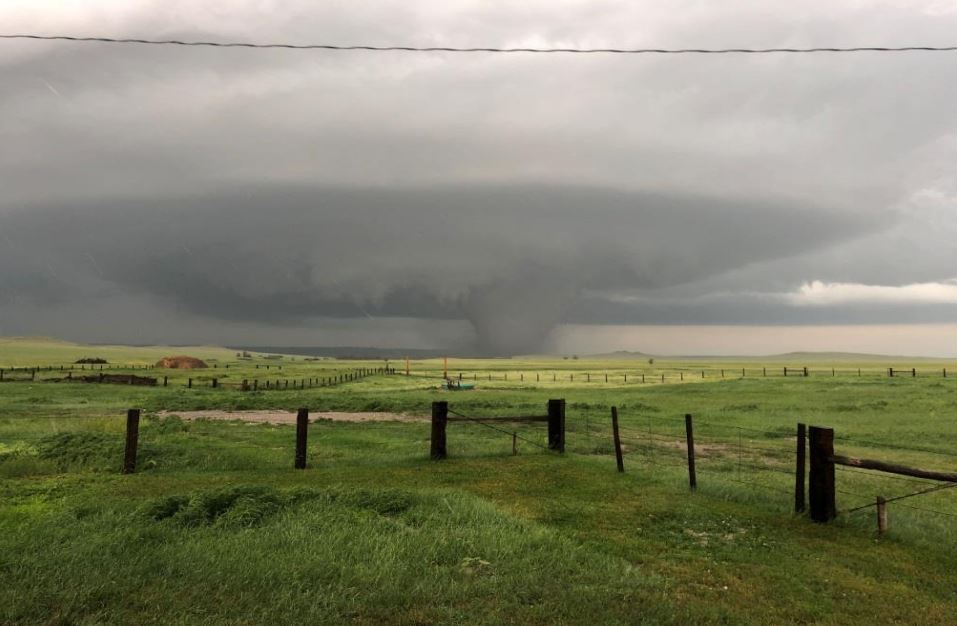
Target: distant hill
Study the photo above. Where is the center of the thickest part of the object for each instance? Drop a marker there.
(845, 356)
(791, 357)
(620, 355)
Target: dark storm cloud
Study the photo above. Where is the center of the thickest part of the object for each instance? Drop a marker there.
(286, 189)
(510, 259)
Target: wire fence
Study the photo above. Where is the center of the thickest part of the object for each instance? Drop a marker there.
(762, 459)
(756, 458)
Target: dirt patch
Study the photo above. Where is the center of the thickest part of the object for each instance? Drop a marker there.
(289, 417)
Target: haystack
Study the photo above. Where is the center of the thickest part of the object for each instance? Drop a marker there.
(181, 362)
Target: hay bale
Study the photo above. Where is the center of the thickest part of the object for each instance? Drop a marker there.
(181, 362)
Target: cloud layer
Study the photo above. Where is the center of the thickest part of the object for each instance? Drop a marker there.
(274, 190)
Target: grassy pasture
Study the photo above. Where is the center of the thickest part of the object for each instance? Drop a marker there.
(217, 527)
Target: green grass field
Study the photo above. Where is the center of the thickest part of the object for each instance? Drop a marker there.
(216, 526)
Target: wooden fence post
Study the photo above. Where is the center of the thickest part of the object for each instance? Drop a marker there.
(165, 381)
(132, 438)
(881, 515)
(800, 472)
(821, 478)
(689, 433)
(556, 425)
(514, 443)
(614, 432)
(189, 383)
(215, 383)
(440, 418)
(302, 431)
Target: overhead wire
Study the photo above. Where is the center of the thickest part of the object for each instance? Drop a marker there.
(476, 49)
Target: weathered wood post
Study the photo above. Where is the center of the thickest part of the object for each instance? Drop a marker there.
(881, 515)
(302, 431)
(556, 425)
(189, 383)
(800, 473)
(165, 381)
(132, 438)
(245, 385)
(689, 434)
(440, 419)
(617, 438)
(255, 384)
(514, 443)
(215, 383)
(821, 478)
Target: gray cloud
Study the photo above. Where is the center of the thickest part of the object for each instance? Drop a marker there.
(512, 259)
(278, 190)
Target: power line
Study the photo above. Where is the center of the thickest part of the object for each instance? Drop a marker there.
(371, 48)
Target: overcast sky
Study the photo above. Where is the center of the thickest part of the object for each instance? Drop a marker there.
(503, 203)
